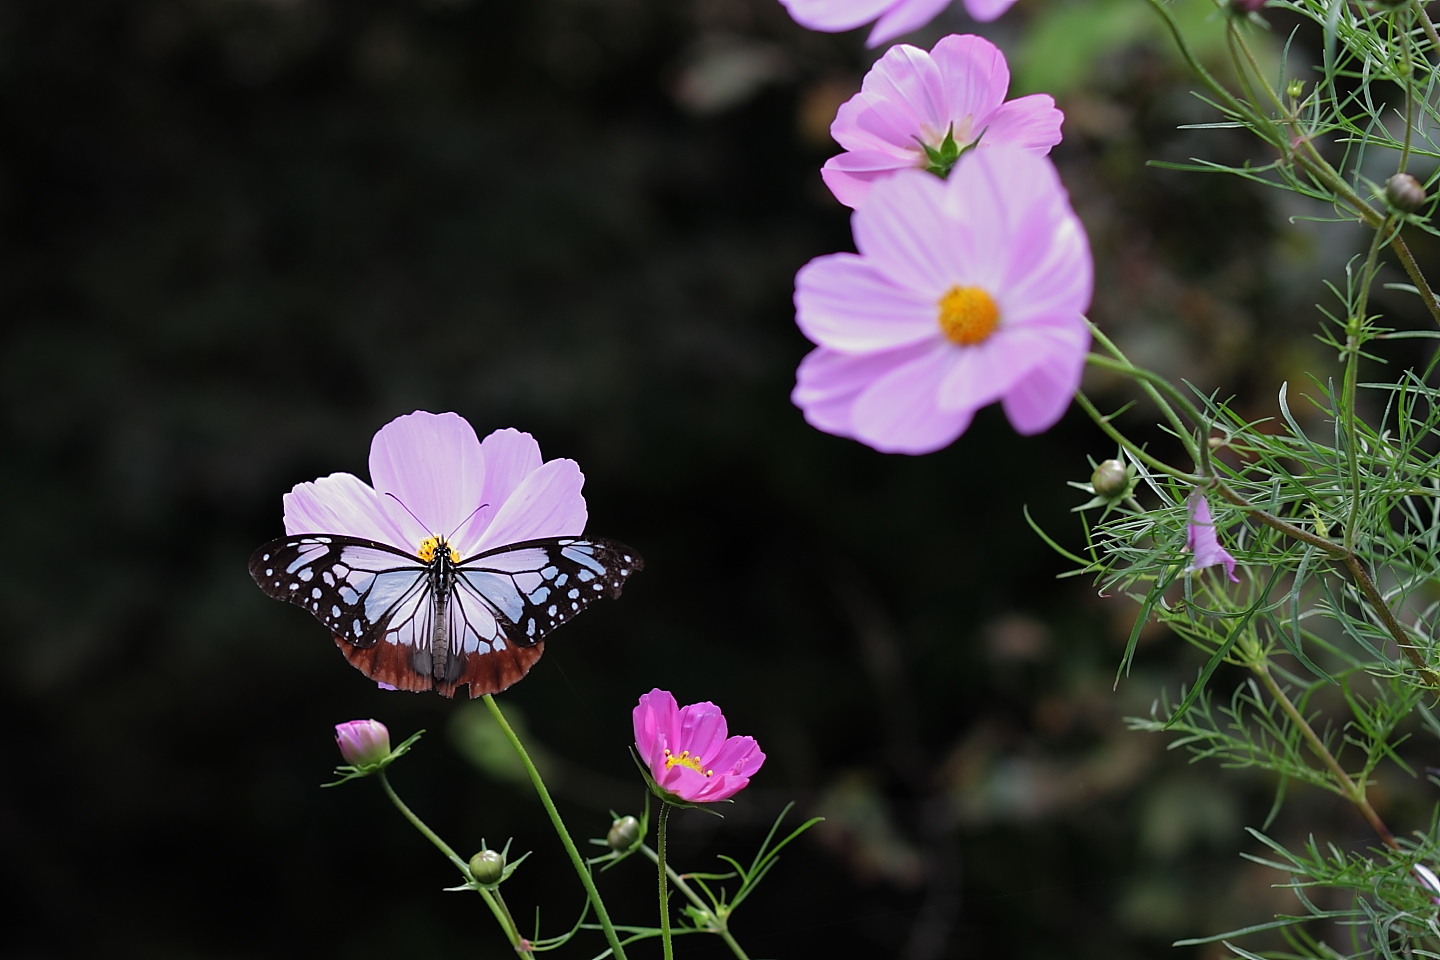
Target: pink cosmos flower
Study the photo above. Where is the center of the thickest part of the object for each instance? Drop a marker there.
(1428, 880)
(965, 291)
(896, 17)
(945, 100)
(687, 751)
(1200, 538)
(434, 479)
(362, 742)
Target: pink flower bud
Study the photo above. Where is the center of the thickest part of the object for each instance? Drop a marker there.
(362, 742)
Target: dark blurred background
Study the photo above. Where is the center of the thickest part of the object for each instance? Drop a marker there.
(240, 235)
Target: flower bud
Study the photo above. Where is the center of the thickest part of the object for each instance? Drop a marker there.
(363, 743)
(1110, 479)
(624, 834)
(488, 867)
(1404, 193)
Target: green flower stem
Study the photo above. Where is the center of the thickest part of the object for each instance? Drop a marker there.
(717, 924)
(580, 868)
(660, 827)
(1354, 340)
(1200, 452)
(1103, 422)
(1419, 10)
(1409, 71)
(497, 906)
(1351, 790)
(1148, 383)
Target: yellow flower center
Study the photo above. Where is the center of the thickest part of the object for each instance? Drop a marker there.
(686, 760)
(968, 315)
(431, 545)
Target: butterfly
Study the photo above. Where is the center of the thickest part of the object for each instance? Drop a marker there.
(432, 621)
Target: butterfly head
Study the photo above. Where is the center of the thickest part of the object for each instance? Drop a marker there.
(431, 547)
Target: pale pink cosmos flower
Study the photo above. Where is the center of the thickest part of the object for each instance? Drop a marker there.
(912, 99)
(1428, 880)
(1200, 538)
(895, 17)
(434, 479)
(687, 751)
(965, 291)
(362, 742)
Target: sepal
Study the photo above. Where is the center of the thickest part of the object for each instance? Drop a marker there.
(350, 772)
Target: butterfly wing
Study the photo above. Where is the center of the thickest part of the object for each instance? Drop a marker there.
(512, 597)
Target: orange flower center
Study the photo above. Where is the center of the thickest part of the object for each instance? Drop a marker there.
(968, 315)
(686, 759)
(430, 546)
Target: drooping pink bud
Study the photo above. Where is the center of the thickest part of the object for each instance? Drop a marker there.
(362, 742)
(1200, 539)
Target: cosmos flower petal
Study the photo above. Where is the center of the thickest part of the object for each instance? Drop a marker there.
(903, 95)
(342, 503)
(431, 464)
(843, 303)
(899, 412)
(902, 18)
(696, 732)
(1030, 122)
(702, 728)
(1038, 401)
(1056, 278)
(908, 232)
(737, 756)
(975, 78)
(851, 175)
(828, 382)
(510, 456)
(830, 16)
(547, 503)
(982, 374)
(987, 10)
(1201, 540)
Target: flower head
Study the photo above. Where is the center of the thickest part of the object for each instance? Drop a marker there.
(687, 752)
(921, 109)
(1200, 538)
(896, 17)
(965, 291)
(363, 743)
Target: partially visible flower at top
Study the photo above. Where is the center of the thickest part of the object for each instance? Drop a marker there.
(433, 478)
(925, 109)
(687, 753)
(965, 291)
(1200, 538)
(363, 743)
(896, 17)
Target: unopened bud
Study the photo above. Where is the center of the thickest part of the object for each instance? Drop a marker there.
(1110, 479)
(487, 867)
(1404, 193)
(1296, 89)
(624, 834)
(362, 742)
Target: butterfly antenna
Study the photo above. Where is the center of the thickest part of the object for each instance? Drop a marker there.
(423, 524)
(467, 519)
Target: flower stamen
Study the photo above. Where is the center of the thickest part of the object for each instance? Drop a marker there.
(968, 315)
(686, 760)
(430, 546)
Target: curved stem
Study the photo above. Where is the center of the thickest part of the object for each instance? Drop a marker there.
(1199, 452)
(718, 925)
(579, 863)
(660, 829)
(1354, 333)
(497, 906)
(1103, 422)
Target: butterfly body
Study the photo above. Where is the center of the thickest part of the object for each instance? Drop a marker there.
(432, 620)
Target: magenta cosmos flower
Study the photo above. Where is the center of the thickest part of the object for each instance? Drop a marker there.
(362, 742)
(895, 17)
(1200, 538)
(435, 481)
(965, 291)
(687, 751)
(911, 100)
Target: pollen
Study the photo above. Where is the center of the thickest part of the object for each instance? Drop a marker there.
(432, 545)
(968, 315)
(686, 759)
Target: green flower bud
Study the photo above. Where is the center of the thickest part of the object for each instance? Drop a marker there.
(1404, 193)
(1110, 479)
(487, 867)
(624, 834)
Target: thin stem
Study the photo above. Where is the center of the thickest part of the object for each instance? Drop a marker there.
(580, 868)
(1103, 422)
(1354, 330)
(1353, 791)
(1409, 69)
(497, 906)
(1429, 27)
(660, 829)
(1199, 452)
(717, 924)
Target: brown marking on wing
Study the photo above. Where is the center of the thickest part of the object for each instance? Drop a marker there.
(485, 673)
